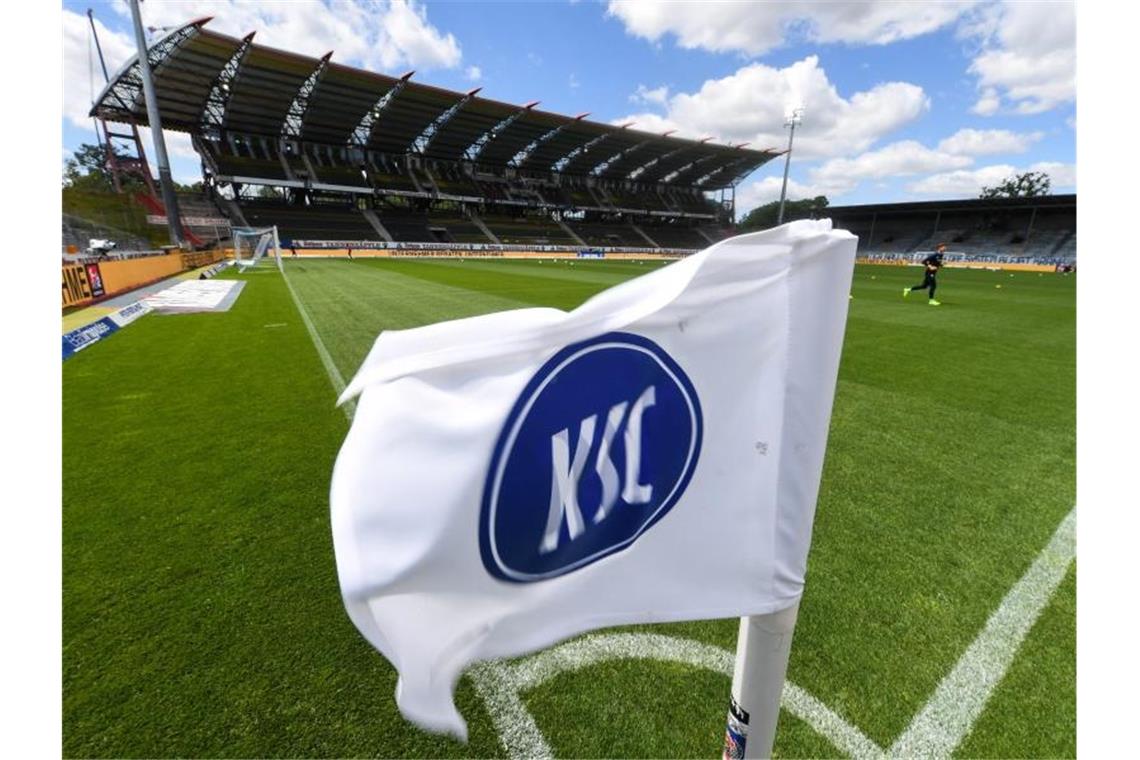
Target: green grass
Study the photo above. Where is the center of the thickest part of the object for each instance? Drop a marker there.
(201, 609)
(117, 211)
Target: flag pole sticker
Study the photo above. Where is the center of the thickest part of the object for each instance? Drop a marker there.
(736, 733)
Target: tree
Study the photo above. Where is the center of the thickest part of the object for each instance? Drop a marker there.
(87, 169)
(763, 217)
(1024, 185)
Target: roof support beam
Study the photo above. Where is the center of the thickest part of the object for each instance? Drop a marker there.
(597, 170)
(650, 164)
(295, 117)
(726, 167)
(473, 150)
(526, 152)
(363, 132)
(421, 143)
(214, 112)
(126, 86)
(677, 172)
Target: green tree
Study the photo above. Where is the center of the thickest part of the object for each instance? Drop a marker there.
(87, 170)
(763, 217)
(1024, 185)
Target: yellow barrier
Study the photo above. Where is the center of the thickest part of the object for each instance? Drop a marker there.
(83, 283)
(76, 287)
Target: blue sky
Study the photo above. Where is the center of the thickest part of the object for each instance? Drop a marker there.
(902, 101)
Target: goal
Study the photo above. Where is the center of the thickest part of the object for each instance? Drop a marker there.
(252, 244)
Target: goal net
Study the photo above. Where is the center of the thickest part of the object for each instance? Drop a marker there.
(252, 244)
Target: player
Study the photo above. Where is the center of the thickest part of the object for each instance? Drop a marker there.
(933, 263)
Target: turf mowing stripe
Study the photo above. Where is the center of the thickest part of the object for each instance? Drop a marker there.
(335, 377)
(501, 685)
(947, 718)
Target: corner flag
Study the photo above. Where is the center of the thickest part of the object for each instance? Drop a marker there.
(654, 455)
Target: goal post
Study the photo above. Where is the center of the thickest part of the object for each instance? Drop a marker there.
(252, 244)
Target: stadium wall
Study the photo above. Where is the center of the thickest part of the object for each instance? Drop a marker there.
(994, 265)
(464, 253)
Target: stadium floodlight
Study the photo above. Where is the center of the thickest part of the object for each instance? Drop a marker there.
(252, 244)
(793, 119)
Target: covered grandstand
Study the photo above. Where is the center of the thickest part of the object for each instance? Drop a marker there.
(359, 157)
(1040, 229)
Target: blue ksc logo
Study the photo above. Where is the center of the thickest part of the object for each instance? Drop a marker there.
(598, 447)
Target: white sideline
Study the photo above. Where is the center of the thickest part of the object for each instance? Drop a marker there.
(335, 377)
(947, 718)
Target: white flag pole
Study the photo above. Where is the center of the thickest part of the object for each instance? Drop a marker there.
(762, 650)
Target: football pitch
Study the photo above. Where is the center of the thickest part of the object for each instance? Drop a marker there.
(202, 615)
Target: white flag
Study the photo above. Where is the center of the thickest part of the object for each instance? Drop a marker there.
(654, 455)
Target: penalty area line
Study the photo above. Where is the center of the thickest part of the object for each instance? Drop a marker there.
(337, 380)
(956, 704)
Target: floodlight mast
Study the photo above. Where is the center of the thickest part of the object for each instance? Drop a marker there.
(154, 116)
(795, 118)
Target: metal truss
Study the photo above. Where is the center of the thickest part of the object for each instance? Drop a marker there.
(677, 172)
(730, 165)
(295, 117)
(600, 168)
(561, 163)
(214, 112)
(420, 144)
(126, 87)
(363, 132)
(633, 175)
(518, 159)
(473, 150)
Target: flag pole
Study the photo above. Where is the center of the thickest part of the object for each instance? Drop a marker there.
(762, 650)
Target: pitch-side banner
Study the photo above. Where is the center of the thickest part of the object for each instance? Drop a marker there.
(654, 455)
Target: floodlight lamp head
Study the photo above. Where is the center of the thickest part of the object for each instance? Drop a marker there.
(795, 117)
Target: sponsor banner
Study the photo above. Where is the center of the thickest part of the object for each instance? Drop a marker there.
(196, 295)
(207, 274)
(76, 288)
(95, 280)
(79, 339)
(591, 253)
(191, 221)
(736, 732)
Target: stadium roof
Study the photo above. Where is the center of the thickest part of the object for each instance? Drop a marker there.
(205, 81)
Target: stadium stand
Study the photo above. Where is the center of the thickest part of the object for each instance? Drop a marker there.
(338, 144)
(1041, 229)
(309, 222)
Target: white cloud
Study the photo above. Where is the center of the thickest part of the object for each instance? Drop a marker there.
(380, 36)
(983, 142)
(969, 183)
(473, 73)
(573, 82)
(756, 28)
(767, 189)
(750, 105)
(898, 159)
(1064, 176)
(81, 73)
(988, 104)
(657, 95)
(1028, 56)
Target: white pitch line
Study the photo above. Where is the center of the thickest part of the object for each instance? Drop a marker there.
(337, 380)
(501, 685)
(958, 701)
